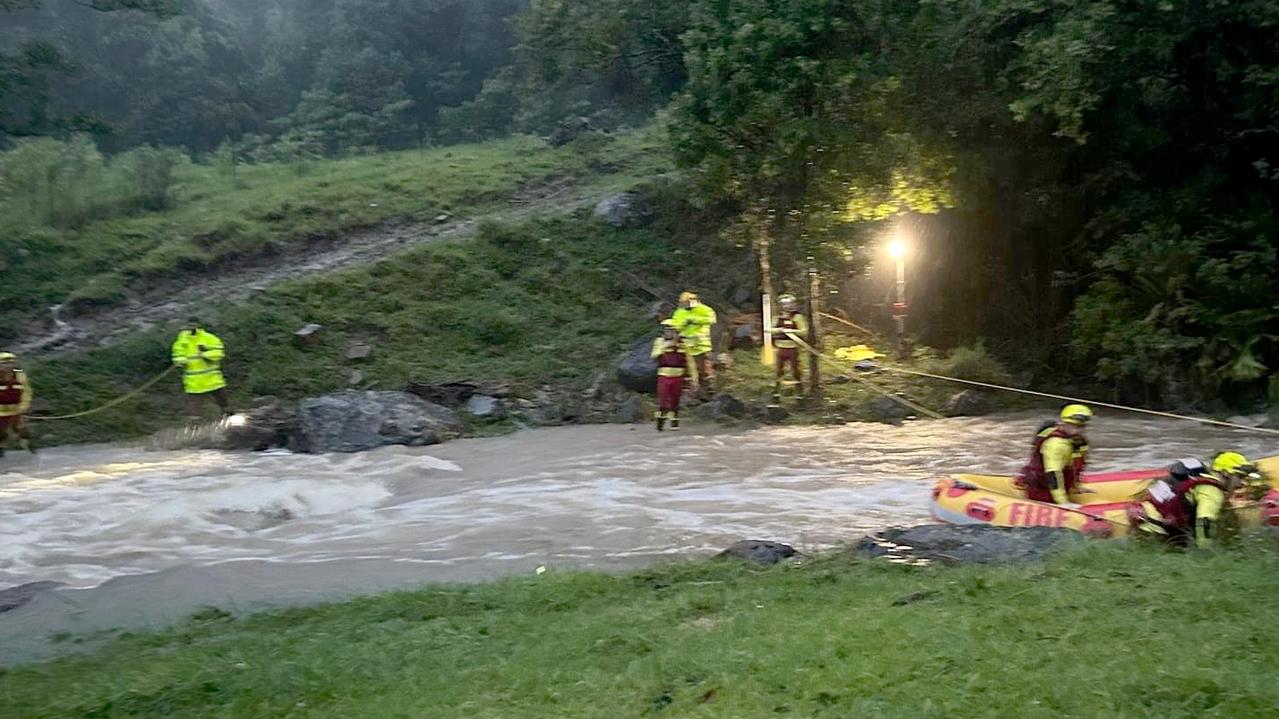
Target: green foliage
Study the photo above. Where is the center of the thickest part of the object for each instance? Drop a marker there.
(715, 638)
(51, 180)
(151, 172)
(974, 363)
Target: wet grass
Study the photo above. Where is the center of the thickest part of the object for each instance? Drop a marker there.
(1101, 631)
(275, 209)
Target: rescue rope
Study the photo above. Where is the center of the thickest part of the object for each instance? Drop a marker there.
(113, 403)
(1003, 388)
(874, 387)
(844, 321)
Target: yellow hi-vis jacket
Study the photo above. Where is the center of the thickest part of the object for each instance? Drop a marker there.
(201, 370)
(694, 326)
(19, 386)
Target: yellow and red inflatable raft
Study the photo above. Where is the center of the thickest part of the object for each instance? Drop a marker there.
(1104, 503)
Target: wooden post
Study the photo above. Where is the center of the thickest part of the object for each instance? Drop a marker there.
(814, 330)
(763, 246)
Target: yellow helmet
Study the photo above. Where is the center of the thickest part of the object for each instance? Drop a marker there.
(687, 296)
(1076, 414)
(8, 357)
(1231, 463)
(786, 300)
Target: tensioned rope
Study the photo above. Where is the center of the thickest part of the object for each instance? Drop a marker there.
(113, 403)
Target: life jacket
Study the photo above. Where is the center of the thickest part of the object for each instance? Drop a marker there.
(11, 389)
(1032, 475)
(673, 361)
(1171, 498)
(786, 322)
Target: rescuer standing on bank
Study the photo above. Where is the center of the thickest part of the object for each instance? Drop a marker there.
(675, 368)
(199, 353)
(789, 322)
(1057, 462)
(15, 401)
(693, 320)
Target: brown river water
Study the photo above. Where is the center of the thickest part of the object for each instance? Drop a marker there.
(597, 496)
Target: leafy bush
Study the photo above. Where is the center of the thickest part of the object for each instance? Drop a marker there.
(150, 172)
(972, 362)
(52, 180)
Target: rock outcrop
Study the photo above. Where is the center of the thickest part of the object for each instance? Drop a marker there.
(356, 421)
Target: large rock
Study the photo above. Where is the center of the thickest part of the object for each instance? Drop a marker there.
(979, 544)
(626, 211)
(271, 423)
(723, 406)
(356, 421)
(632, 411)
(887, 409)
(969, 403)
(760, 552)
(15, 597)
(637, 370)
(485, 407)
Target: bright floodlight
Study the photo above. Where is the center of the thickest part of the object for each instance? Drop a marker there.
(897, 249)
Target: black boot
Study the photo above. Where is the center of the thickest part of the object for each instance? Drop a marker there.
(674, 422)
(661, 422)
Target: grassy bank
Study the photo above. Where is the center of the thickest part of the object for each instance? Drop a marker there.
(273, 209)
(1101, 631)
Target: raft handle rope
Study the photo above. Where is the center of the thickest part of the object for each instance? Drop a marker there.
(113, 403)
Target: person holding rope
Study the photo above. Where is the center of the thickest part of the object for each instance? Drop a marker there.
(15, 401)
(1057, 461)
(199, 353)
(1186, 505)
(790, 324)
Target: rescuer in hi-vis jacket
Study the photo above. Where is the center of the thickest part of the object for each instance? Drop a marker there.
(199, 353)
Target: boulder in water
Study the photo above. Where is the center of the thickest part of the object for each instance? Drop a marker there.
(637, 370)
(626, 211)
(887, 409)
(15, 597)
(758, 551)
(978, 544)
(968, 403)
(356, 421)
(723, 406)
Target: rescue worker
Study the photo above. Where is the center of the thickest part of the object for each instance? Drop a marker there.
(675, 369)
(1057, 462)
(1187, 504)
(200, 353)
(15, 401)
(789, 322)
(694, 320)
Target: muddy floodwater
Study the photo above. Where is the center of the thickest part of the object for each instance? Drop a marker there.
(602, 496)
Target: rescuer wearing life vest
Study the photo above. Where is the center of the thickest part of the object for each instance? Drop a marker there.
(675, 367)
(1187, 503)
(200, 353)
(1057, 462)
(789, 322)
(15, 401)
(694, 320)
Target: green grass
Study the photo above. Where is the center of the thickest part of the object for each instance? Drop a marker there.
(1100, 631)
(543, 302)
(270, 207)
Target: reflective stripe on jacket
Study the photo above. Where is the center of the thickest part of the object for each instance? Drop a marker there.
(201, 371)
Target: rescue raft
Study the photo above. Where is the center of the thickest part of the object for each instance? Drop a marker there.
(997, 501)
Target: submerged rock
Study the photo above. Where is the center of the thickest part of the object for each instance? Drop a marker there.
(977, 544)
(15, 597)
(759, 551)
(356, 421)
(886, 409)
